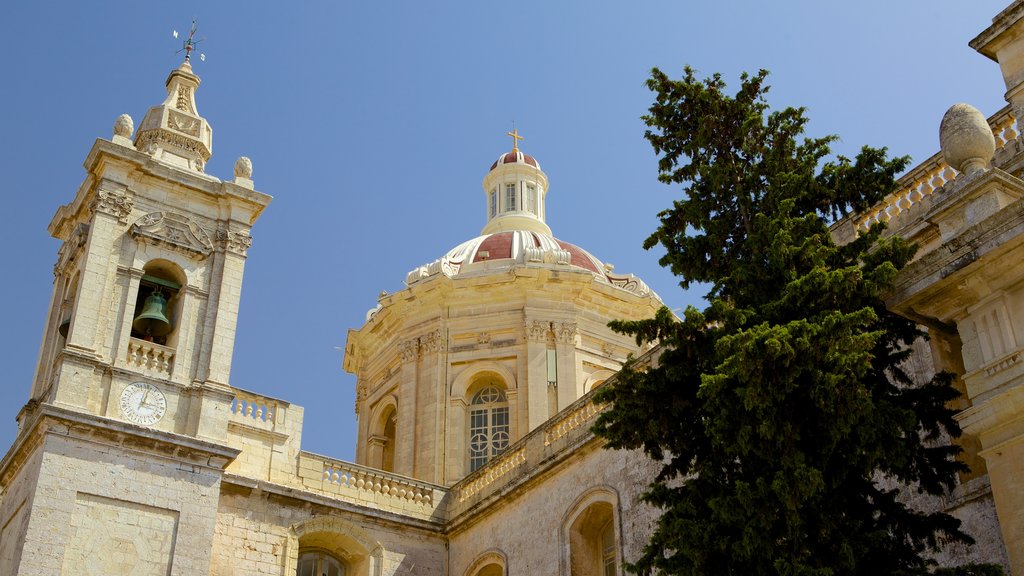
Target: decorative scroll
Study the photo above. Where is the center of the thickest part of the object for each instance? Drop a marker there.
(537, 331)
(565, 332)
(116, 204)
(174, 231)
(629, 282)
(235, 241)
(432, 343)
(409, 349)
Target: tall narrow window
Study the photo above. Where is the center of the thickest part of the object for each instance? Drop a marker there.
(494, 202)
(531, 198)
(488, 426)
(511, 201)
(388, 456)
(608, 549)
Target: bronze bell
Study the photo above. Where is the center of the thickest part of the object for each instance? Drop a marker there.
(152, 321)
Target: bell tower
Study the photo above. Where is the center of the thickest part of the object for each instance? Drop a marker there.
(147, 282)
(123, 443)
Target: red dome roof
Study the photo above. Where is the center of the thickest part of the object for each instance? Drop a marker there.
(515, 157)
(498, 252)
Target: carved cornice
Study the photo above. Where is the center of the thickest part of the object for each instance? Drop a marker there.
(150, 140)
(235, 241)
(175, 231)
(117, 204)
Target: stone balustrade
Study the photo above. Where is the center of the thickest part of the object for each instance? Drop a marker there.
(150, 357)
(571, 420)
(492, 472)
(916, 186)
(369, 486)
(255, 410)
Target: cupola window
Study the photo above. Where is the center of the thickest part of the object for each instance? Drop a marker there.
(531, 198)
(488, 426)
(493, 202)
(511, 201)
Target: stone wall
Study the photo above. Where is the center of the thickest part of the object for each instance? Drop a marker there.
(261, 529)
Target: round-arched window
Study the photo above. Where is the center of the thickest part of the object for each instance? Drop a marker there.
(319, 563)
(488, 426)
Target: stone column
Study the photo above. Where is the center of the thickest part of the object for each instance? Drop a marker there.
(536, 384)
(406, 443)
(568, 371)
(234, 246)
(111, 208)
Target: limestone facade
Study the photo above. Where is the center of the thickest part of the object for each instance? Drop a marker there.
(135, 455)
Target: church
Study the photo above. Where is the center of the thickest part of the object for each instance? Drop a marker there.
(136, 455)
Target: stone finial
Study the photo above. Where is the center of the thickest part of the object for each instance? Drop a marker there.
(966, 139)
(243, 172)
(124, 126)
(243, 168)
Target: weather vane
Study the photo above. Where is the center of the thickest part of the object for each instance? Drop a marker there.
(190, 44)
(515, 137)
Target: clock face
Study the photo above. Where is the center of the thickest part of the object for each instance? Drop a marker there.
(143, 403)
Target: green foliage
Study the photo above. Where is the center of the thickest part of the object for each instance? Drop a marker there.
(784, 404)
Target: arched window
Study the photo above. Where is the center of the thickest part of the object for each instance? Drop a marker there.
(488, 426)
(591, 537)
(319, 563)
(388, 457)
(157, 301)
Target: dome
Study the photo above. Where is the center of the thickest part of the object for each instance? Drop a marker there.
(504, 250)
(516, 156)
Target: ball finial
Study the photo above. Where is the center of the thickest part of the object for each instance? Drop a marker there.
(243, 168)
(124, 126)
(966, 139)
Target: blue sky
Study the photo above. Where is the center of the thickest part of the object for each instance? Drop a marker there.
(373, 124)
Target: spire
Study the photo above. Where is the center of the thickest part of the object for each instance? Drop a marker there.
(174, 132)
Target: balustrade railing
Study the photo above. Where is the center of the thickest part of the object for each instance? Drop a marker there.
(495, 469)
(256, 410)
(341, 474)
(150, 356)
(577, 418)
(931, 175)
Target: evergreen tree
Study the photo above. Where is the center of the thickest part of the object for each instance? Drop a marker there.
(782, 414)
